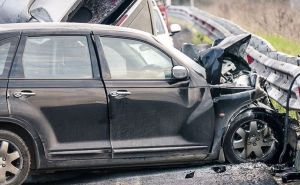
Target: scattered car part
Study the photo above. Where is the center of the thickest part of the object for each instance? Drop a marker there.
(219, 169)
(291, 176)
(190, 175)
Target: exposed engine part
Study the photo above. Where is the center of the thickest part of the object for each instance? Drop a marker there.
(223, 62)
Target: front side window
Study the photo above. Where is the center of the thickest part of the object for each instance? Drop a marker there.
(132, 59)
(4, 53)
(56, 57)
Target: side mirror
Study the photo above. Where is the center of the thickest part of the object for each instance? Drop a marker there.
(41, 14)
(175, 28)
(180, 72)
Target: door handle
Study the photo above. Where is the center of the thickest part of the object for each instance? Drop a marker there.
(23, 93)
(119, 93)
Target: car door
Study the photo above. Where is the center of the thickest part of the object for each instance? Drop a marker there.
(8, 45)
(150, 112)
(55, 86)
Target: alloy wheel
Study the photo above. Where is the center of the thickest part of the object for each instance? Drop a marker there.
(253, 140)
(11, 162)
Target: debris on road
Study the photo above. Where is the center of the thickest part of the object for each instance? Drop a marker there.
(246, 174)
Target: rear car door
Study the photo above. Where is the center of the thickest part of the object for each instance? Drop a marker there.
(56, 87)
(150, 112)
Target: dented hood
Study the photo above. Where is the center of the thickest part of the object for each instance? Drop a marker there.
(235, 45)
(211, 59)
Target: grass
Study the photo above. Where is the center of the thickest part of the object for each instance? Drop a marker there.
(199, 38)
(281, 109)
(282, 44)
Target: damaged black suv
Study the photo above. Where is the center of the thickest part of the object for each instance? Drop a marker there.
(91, 96)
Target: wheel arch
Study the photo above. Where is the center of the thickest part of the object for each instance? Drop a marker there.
(264, 113)
(269, 116)
(29, 136)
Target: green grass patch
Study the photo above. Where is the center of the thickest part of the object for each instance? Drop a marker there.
(283, 44)
(281, 109)
(199, 38)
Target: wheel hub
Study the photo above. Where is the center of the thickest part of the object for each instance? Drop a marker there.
(253, 141)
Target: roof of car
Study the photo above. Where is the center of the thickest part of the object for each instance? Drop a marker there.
(66, 27)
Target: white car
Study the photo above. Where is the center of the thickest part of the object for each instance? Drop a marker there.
(143, 15)
(162, 32)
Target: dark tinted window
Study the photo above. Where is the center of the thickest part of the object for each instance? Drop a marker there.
(56, 57)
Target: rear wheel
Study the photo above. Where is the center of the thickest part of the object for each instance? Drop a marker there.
(14, 159)
(251, 140)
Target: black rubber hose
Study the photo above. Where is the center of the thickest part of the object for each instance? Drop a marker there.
(286, 119)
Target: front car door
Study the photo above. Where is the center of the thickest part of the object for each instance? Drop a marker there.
(8, 45)
(151, 113)
(55, 86)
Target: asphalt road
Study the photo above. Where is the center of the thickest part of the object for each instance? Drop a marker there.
(245, 174)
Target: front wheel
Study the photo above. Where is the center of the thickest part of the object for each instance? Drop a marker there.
(14, 159)
(252, 139)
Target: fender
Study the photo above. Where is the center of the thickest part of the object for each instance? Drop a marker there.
(230, 107)
(226, 107)
(38, 146)
(273, 117)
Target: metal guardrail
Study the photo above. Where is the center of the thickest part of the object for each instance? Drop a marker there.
(277, 68)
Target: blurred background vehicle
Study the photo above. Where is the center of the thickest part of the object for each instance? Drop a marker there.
(161, 21)
(143, 15)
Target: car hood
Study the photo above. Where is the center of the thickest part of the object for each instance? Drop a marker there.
(211, 59)
(235, 44)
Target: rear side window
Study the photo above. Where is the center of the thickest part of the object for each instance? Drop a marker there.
(55, 57)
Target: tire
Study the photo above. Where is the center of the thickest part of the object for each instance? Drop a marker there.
(14, 159)
(241, 144)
